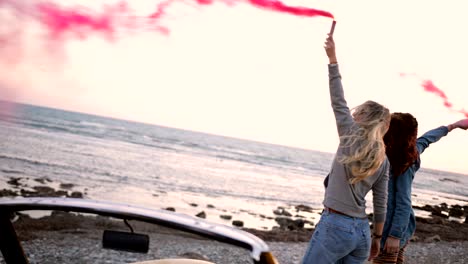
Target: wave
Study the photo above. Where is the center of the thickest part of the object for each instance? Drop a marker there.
(274, 162)
(259, 197)
(10, 171)
(92, 124)
(35, 162)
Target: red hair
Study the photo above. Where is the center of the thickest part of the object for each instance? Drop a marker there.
(400, 142)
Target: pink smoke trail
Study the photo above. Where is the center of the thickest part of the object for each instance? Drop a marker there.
(62, 23)
(80, 22)
(429, 86)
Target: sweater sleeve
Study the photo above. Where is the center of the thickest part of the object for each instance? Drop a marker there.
(343, 117)
(380, 194)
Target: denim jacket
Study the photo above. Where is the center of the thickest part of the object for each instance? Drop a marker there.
(400, 221)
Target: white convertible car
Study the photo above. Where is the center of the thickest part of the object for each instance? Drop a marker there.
(134, 247)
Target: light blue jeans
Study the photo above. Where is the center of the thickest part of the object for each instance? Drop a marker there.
(339, 239)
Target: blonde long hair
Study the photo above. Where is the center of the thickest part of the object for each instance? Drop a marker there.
(365, 144)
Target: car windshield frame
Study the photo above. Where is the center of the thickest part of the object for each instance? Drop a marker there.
(222, 233)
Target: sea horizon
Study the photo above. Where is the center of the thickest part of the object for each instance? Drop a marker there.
(107, 158)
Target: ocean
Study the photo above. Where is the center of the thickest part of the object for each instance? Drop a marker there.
(160, 167)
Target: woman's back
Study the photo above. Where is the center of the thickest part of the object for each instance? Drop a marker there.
(343, 192)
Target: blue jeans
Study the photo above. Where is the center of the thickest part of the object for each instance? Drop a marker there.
(339, 239)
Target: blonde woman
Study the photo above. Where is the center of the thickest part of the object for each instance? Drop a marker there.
(343, 234)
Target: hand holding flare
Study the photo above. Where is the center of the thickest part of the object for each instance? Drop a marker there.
(330, 47)
(332, 28)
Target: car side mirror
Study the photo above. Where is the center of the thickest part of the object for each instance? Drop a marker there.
(125, 241)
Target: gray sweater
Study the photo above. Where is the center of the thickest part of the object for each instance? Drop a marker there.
(340, 194)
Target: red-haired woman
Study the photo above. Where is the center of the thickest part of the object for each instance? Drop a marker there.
(403, 150)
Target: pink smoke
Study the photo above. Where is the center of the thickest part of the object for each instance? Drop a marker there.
(80, 22)
(429, 86)
(61, 23)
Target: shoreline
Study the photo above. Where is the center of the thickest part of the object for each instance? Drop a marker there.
(74, 238)
(441, 235)
(284, 224)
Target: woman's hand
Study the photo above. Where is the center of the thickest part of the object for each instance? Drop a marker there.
(463, 124)
(392, 245)
(375, 249)
(330, 49)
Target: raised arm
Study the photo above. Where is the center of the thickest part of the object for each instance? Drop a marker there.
(462, 124)
(343, 117)
(434, 135)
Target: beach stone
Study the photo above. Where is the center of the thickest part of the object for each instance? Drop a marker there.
(40, 180)
(66, 185)
(210, 206)
(170, 209)
(426, 207)
(456, 211)
(289, 224)
(6, 192)
(201, 214)
(437, 211)
(238, 223)
(444, 206)
(194, 204)
(304, 208)
(299, 223)
(42, 191)
(227, 217)
(76, 195)
(286, 213)
(432, 239)
(14, 181)
(281, 211)
(43, 180)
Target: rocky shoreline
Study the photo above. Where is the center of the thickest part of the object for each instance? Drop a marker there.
(445, 223)
(442, 237)
(71, 238)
